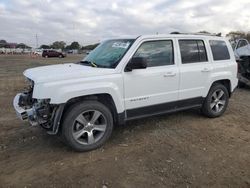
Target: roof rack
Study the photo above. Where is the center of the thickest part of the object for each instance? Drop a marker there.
(206, 34)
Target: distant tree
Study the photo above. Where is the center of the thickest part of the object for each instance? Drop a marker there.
(23, 46)
(68, 47)
(58, 45)
(44, 46)
(90, 47)
(205, 32)
(2, 43)
(75, 45)
(234, 35)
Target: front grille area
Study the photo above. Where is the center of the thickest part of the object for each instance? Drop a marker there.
(25, 99)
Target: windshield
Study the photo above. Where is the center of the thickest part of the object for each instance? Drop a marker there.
(109, 53)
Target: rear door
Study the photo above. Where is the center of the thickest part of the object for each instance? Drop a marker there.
(55, 53)
(50, 53)
(195, 69)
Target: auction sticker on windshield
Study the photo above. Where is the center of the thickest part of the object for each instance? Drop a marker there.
(121, 45)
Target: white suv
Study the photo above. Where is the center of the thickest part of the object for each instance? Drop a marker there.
(125, 79)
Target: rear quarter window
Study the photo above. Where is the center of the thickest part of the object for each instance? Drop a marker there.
(219, 50)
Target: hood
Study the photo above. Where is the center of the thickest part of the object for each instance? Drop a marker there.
(64, 72)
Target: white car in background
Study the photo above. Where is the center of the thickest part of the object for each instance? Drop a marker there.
(242, 54)
(38, 52)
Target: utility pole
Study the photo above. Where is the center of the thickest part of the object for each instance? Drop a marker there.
(36, 41)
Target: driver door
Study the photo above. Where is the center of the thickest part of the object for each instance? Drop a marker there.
(154, 89)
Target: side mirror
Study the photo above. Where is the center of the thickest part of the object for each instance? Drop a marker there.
(136, 63)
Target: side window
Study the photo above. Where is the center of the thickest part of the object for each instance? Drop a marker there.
(192, 51)
(157, 53)
(219, 50)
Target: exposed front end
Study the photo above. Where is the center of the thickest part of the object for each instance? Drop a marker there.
(35, 111)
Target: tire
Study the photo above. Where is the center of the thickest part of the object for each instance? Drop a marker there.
(216, 101)
(87, 125)
(46, 56)
(60, 56)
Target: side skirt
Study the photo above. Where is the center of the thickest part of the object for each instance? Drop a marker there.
(164, 108)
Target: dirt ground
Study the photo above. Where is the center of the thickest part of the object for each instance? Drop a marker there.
(183, 149)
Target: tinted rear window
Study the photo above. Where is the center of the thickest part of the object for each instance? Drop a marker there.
(192, 51)
(219, 50)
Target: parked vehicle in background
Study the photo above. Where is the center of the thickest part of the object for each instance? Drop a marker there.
(75, 51)
(52, 53)
(242, 54)
(126, 79)
(38, 52)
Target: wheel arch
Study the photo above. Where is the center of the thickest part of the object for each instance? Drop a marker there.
(104, 98)
(226, 83)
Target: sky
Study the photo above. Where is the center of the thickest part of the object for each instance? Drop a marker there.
(90, 21)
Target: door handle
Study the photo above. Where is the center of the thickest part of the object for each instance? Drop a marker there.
(205, 70)
(169, 74)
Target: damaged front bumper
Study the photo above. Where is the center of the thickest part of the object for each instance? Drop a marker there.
(39, 113)
(23, 113)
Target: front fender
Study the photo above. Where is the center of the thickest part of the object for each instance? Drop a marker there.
(59, 94)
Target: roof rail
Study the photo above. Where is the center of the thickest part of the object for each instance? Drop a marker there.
(206, 34)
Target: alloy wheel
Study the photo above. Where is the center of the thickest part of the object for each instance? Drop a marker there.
(218, 101)
(89, 127)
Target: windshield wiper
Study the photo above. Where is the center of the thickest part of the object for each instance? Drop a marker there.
(89, 63)
(93, 64)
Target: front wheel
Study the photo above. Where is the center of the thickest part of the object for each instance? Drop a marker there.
(87, 125)
(216, 101)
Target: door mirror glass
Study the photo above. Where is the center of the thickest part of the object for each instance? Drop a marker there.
(136, 63)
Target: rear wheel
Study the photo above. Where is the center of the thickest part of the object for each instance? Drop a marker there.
(216, 101)
(87, 125)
